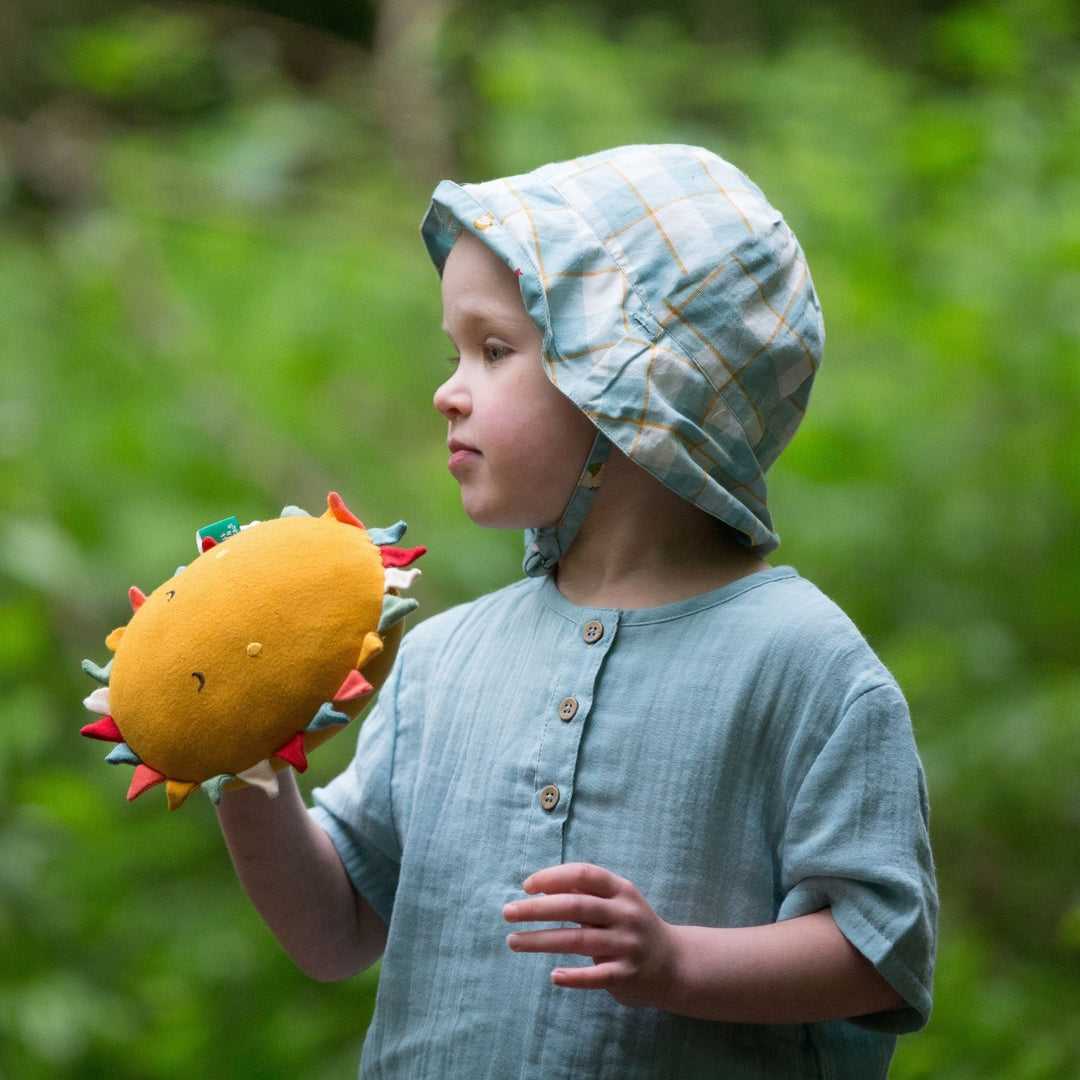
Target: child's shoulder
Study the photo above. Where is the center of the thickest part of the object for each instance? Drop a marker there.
(780, 621)
(783, 597)
(801, 607)
(806, 633)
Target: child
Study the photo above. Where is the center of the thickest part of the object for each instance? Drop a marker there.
(678, 775)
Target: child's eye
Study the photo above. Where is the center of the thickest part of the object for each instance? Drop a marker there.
(452, 362)
(494, 351)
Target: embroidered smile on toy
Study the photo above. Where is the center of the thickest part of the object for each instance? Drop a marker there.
(262, 648)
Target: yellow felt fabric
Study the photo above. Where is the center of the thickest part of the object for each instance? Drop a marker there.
(229, 659)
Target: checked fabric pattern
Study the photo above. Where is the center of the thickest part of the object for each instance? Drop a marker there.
(676, 306)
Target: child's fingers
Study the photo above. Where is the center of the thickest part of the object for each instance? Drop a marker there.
(571, 941)
(589, 977)
(574, 877)
(561, 907)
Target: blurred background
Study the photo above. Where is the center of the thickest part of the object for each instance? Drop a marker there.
(214, 301)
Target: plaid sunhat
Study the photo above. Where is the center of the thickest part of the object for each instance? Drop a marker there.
(676, 308)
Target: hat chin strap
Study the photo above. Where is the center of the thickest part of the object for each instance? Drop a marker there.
(545, 546)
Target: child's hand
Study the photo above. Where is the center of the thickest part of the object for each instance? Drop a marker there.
(632, 948)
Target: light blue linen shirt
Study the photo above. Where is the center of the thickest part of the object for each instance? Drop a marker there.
(742, 757)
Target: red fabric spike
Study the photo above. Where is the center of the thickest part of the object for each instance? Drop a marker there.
(144, 779)
(137, 597)
(341, 512)
(206, 543)
(104, 729)
(354, 686)
(392, 556)
(293, 752)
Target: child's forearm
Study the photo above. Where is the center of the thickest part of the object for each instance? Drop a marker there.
(797, 971)
(294, 877)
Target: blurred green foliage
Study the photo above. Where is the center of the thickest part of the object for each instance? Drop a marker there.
(214, 300)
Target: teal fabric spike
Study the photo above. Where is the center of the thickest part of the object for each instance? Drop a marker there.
(293, 511)
(327, 716)
(215, 785)
(394, 609)
(100, 674)
(123, 755)
(388, 536)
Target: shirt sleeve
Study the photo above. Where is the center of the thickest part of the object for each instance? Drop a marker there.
(857, 841)
(356, 808)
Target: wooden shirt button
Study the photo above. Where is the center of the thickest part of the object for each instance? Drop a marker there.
(549, 797)
(568, 708)
(593, 631)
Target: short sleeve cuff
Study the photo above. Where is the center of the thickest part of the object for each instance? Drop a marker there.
(877, 948)
(373, 874)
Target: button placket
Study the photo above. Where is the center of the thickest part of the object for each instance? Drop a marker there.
(560, 739)
(591, 633)
(569, 707)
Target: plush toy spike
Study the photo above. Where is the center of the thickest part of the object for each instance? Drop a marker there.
(143, 779)
(98, 674)
(267, 644)
(355, 686)
(327, 717)
(216, 785)
(370, 648)
(394, 609)
(293, 752)
(123, 755)
(98, 701)
(392, 556)
(176, 791)
(341, 512)
(104, 729)
(262, 776)
(392, 535)
(400, 579)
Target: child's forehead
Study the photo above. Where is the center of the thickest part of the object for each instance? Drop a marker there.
(480, 292)
(474, 269)
(477, 256)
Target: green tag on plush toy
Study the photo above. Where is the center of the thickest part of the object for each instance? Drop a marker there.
(220, 530)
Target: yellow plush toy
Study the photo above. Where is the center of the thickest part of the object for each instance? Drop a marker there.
(267, 644)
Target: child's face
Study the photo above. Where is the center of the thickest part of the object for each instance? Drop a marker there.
(517, 445)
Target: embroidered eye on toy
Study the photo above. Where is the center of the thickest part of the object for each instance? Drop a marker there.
(268, 643)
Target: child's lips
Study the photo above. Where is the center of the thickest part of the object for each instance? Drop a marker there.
(461, 455)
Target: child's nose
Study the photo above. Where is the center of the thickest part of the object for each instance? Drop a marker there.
(451, 399)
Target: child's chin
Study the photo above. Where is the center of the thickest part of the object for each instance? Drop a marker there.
(496, 517)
